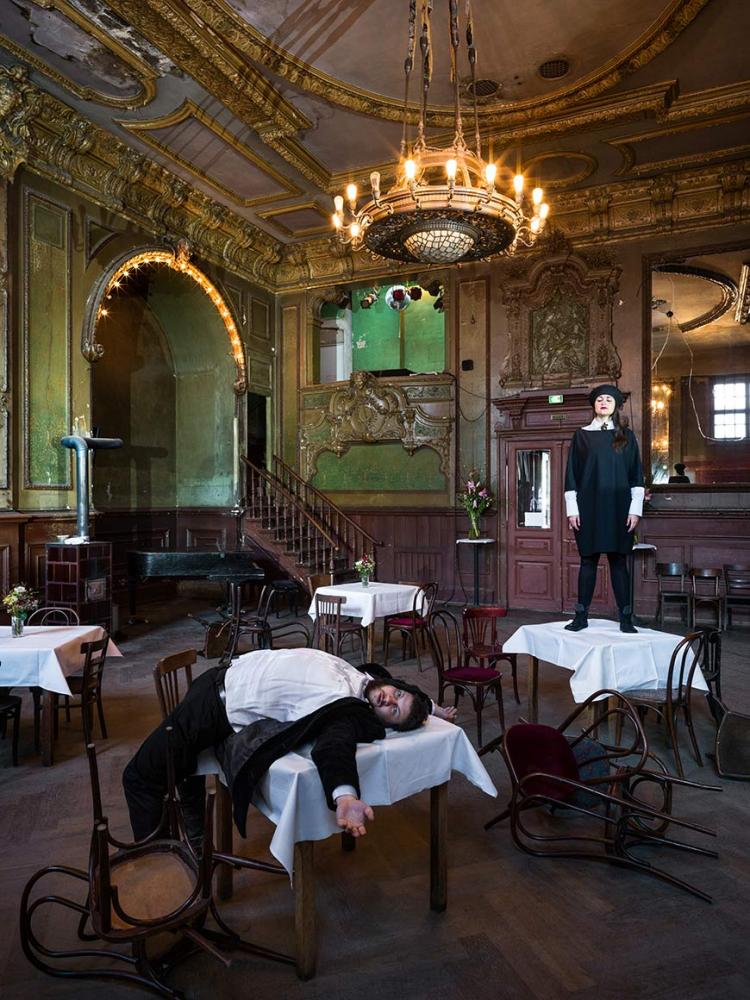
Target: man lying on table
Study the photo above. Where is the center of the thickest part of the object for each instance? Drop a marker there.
(265, 704)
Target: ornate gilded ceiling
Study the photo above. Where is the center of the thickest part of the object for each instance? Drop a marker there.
(634, 112)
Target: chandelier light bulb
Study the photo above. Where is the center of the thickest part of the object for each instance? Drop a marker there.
(536, 196)
(375, 183)
(336, 221)
(490, 172)
(410, 169)
(535, 224)
(450, 168)
(351, 193)
(338, 204)
(354, 230)
(543, 210)
(518, 183)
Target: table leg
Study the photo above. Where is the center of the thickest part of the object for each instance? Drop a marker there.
(304, 909)
(224, 877)
(438, 855)
(533, 689)
(371, 642)
(476, 575)
(48, 720)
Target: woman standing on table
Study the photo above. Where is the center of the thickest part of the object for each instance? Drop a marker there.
(604, 501)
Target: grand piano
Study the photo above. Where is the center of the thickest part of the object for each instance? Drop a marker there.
(232, 568)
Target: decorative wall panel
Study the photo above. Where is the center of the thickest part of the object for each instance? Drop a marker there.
(473, 413)
(46, 343)
(5, 391)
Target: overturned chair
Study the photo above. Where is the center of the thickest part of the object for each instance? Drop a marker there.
(560, 778)
(135, 891)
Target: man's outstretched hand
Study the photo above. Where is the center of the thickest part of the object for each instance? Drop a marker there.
(351, 814)
(449, 714)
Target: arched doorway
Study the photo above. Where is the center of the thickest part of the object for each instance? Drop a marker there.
(169, 366)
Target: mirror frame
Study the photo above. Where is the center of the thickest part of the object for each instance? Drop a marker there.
(649, 262)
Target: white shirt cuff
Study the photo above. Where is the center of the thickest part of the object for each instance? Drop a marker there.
(340, 790)
(637, 494)
(571, 503)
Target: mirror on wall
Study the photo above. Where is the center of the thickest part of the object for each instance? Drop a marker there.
(700, 370)
(533, 488)
(392, 329)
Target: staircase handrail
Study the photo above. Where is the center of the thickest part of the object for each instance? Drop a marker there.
(289, 471)
(288, 495)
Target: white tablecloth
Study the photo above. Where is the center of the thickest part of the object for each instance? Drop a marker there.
(602, 656)
(45, 655)
(371, 602)
(402, 764)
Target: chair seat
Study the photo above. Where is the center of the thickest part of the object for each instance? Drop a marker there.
(655, 697)
(152, 886)
(75, 683)
(404, 621)
(475, 674)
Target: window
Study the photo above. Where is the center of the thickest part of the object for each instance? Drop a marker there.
(731, 409)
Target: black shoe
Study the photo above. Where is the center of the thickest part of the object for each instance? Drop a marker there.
(626, 620)
(580, 621)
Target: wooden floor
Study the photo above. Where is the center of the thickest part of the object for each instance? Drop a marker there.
(516, 927)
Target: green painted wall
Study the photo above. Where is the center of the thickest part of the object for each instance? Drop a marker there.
(376, 339)
(424, 337)
(383, 338)
(372, 467)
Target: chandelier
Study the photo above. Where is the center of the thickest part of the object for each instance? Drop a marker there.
(444, 206)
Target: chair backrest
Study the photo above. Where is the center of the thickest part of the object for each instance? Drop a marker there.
(480, 625)
(737, 580)
(328, 609)
(95, 655)
(667, 574)
(711, 662)
(53, 616)
(318, 580)
(686, 659)
(709, 577)
(445, 641)
(167, 678)
(424, 599)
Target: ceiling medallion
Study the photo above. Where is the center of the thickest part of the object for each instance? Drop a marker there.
(444, 207)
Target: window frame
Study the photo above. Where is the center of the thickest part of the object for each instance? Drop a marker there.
(745, 411)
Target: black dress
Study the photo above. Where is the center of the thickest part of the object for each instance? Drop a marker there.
(602, 478)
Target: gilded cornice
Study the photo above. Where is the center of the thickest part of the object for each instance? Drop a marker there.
(54, 140)
(145, 75)
(178, 32)
(228, 27)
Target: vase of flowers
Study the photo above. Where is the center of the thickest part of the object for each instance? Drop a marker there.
(475, 500)
(365, 567)
(19, 602)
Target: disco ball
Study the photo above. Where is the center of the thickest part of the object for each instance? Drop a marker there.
(397, 298)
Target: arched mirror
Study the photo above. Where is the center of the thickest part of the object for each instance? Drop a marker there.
(700, 371)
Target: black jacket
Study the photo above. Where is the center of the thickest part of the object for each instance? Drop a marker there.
(336, 729)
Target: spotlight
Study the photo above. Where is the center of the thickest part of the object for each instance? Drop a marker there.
(368, 301)
(438, 304)
(434, 288)
(344, 300)
(415, 293)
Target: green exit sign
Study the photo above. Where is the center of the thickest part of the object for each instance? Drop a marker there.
(555, 399)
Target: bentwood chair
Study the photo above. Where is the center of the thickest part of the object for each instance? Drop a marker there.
(482, 642)
(670, 581)
(88, 687)
(455, 671)
(167, 678)
(561, 775)
(257, 626)
(134, 892)
(705, 591)
(331, 630)
(412, 625)
(737, 588)
(49, 616)
(675, 696)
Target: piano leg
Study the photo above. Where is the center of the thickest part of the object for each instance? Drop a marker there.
(132, 586)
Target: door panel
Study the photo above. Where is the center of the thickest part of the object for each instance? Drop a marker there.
(534, 577)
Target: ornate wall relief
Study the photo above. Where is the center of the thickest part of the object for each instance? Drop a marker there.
(5, 484)
(560, 324)
(370, 410)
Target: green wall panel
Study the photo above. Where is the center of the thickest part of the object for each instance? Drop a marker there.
(424, 337)
(376, 338)
(47, 344)
(382, 467)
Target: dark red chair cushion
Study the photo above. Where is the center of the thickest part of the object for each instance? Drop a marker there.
(470, 674)
(532, 748)
(403, 621)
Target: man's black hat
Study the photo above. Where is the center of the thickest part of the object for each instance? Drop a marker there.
(606, 390)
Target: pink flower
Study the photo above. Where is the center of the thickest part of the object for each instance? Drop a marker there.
(483, 493)
(471, 485)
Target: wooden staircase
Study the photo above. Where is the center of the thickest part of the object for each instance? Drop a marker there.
(298, 527)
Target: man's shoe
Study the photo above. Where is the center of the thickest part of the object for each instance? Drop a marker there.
(626, 620)
(580, 621)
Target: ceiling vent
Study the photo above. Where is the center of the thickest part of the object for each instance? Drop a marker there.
(483, 88)
(554, 69)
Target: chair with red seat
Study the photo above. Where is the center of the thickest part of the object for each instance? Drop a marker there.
(483, 643)
(560, 774)
(455, 671)
(412, 625)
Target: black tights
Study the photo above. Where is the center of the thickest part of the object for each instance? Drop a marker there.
(618, 572)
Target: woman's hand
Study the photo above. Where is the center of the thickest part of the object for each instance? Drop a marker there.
(632, 522)
(449, 713)
(574, 522)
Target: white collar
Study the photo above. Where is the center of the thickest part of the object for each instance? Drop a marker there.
(597, 423)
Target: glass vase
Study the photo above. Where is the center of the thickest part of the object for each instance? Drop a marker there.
(364, 579)
(473, 524)
(16, 625)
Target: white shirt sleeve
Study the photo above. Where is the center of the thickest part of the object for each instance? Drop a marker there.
(637, 494)
(571, 503)
(340, 790)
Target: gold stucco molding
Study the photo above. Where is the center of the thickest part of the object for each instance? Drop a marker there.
(370, 410)
(57, 142)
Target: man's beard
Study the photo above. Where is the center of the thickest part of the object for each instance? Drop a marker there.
(372, 686)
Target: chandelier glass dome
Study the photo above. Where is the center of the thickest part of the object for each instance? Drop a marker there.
(444, 206)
